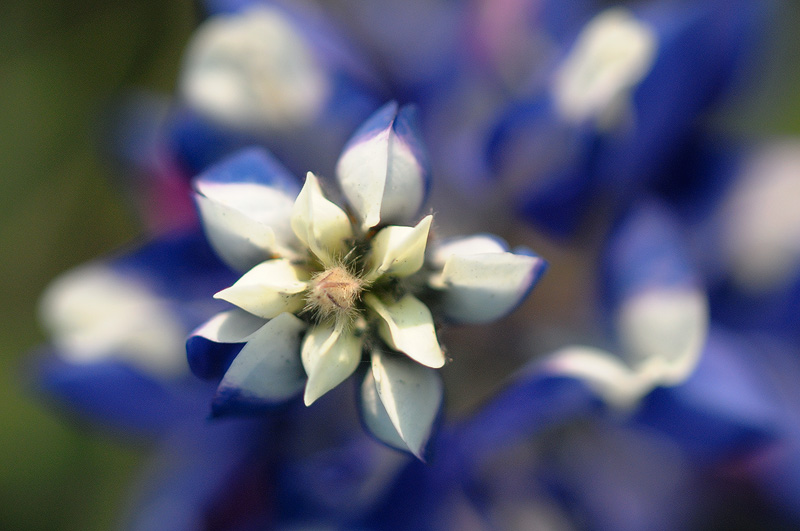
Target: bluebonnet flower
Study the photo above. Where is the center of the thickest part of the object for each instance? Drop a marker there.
(351, 279)
(654, 302)
(116, 360)
(620, 105)
(347, 282)
(273, 74)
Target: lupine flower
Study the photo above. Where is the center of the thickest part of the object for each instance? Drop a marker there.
(326, 285)
(655, 305)
(349, 278)
(620, 105)
(273, 74)
(117, 360)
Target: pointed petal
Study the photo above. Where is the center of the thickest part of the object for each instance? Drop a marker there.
(481, 288)
(399, 251)
(407, 326)
(329, 357)
(319, 223)
(267, 370)
(383, 170)
(411, 394)
(211, 347)
(270, 288)
(233, 326)
(375, 417)
(240, 241)
(245, 203)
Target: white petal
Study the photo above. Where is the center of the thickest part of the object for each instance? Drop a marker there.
(613, 53)
(381, 173)
(760, 221)
(319, 223)
(399, 251)
(375, 416)
(440, 251)
(233, 326)
(663, 332)
(270, 288)
(481, 288)
(246, 223)
(617, 383)
(268, 367)
(329, 357)
(412, 395)
(255, 70)
(95, 313)
(407, 326)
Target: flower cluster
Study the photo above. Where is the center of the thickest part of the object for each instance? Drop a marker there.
(671, 302)
(324, 285)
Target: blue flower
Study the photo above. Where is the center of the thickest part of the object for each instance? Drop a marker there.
(325, 284)
(620, 106)
(117, 360)
(270, 74)
(655, 304)
(616, 426)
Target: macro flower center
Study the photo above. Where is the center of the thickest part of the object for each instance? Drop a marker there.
(333, 293)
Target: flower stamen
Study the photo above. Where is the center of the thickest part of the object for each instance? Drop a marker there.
(333, 293)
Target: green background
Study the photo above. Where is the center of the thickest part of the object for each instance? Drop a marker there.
(59, 62)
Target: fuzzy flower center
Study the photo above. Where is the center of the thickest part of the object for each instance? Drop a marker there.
(333, 293)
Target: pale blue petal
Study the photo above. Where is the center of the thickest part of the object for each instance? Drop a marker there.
(267, 370)
(383, 170)
(411, 395)
(245, 203)
(481, 288)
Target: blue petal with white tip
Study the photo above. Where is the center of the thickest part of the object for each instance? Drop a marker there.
(244, 204)
(480, 287)
(383, 170)
(212, 346)
(722, 410)
(267, 370)
(703, 47)
(660, 311)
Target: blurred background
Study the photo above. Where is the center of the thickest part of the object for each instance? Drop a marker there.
(61, 63)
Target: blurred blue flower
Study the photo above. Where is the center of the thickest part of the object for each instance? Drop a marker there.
(116, 359)
(621, 104)
(268, 73)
